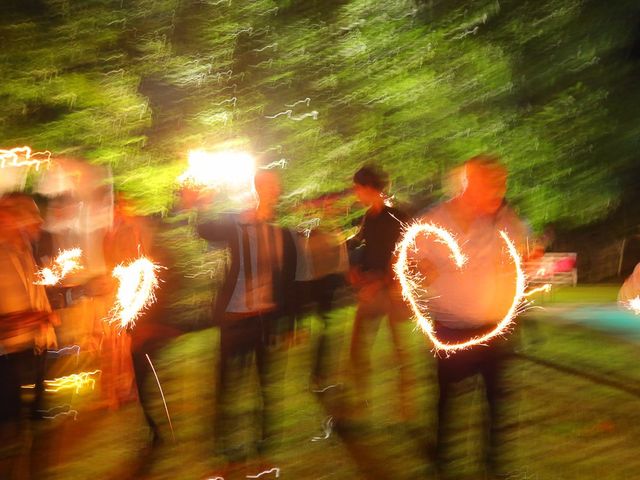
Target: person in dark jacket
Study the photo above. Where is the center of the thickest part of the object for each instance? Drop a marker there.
(252, 309)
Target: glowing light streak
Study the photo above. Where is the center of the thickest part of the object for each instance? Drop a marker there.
(313, 114)
(219, 169)
(138, 281)
(74, 381)
(231, 100)
(273, 45)
(23, 157)
(286, 112)
(305, 101)
(411, 283)
(322, 390)
(53, 416)
(71, 350)
(275, 470)
(543, 288)
(66, 414)
(307, 226)
(164, 401)
(473, 31)
(248, 30)
(67, 261)
(282, 163)
(327, 426)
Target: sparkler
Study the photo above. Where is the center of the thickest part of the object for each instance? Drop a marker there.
(65, 263)
(219, 169)
(138, 281)
(633, 305)
(23, 157)
(411, 283)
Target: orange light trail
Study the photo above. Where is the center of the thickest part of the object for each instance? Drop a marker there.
(411, 283)
(65, 263)
(138, 282)
(23, 157)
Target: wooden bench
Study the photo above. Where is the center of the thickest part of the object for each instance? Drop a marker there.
(555, 268)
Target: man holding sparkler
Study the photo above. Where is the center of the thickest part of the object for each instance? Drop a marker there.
(468, 302)
(251, 307)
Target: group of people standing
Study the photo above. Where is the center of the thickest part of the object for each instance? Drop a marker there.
(253, 308)
(272, 271)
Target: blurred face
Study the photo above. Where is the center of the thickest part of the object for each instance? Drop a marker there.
(365, 194)
(486, 187)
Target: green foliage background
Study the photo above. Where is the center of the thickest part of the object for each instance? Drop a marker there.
(415, 85)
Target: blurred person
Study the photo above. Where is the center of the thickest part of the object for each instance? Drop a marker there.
(322, 264)
(252, 310)
(153, 330)
(378, 292)
(26, 329)
(127, 240)
(631, 287)
(469, 302)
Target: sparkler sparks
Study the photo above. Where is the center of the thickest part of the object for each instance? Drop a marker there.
(411, 283)
(67, 261)
(633, 305)
(219, 169)
(23, 157)
(138, 281)
(543, 288)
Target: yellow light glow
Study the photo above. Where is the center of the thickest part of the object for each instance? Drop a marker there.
(226, 169)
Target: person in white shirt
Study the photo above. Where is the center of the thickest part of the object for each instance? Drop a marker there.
(470, 301)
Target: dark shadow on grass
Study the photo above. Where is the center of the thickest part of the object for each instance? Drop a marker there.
(626, 386)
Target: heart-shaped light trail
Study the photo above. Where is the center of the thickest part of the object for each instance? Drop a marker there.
(138, 282)
(411, 283)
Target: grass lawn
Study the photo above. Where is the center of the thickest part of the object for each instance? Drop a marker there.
(573, 412)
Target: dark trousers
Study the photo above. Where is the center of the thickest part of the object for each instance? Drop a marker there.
(484, 360)
(319, 294)
(11, 366)
(141, 371)
(243, 341)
